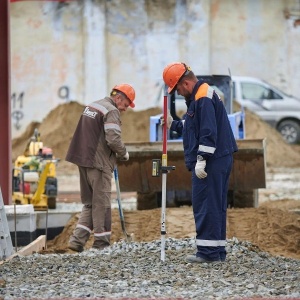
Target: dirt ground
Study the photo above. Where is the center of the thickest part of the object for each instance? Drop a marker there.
(272, 226)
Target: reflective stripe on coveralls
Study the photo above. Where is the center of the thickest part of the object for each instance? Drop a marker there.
(207, 149)
(107, 233)
(84, 227)
(99, 107)
(210, 243)
(112, 126)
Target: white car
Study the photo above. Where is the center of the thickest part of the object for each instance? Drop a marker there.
(275, 107)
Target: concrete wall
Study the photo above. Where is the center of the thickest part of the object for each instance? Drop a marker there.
(254, 38)
(78, 50)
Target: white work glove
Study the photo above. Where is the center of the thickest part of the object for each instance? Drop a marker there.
(199, 169)
(124, 157)
(169, 120)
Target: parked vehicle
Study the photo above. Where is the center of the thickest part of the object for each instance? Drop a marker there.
(272, 105)
(279, 110)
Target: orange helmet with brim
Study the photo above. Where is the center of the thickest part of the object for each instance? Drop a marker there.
(127, 90)
(172, 73)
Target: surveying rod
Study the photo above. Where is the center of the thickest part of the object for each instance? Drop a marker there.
(160, 167)
(164, 161)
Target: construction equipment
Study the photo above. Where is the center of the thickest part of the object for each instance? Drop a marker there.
(34, 176)
(128, 237)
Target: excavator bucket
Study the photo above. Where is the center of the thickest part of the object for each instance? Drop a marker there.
(248, 173)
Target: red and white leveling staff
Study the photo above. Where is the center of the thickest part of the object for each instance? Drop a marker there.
(165, 169)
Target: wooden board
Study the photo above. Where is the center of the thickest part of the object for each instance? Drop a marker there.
(35, 246)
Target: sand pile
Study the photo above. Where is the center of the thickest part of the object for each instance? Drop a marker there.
(271, 227)
(58, 127)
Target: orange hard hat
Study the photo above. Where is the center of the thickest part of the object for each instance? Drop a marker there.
(172, 73)
(128, 91)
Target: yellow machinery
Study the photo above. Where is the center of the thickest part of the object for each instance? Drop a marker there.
(34, 176)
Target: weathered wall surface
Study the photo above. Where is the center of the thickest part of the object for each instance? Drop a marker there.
(254, 38)
(78, 50)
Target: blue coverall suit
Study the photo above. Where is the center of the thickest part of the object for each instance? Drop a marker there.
(207, 132)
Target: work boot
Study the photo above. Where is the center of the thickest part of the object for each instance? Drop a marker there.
(78, 239)
(100, 245)
(199, 260)
(101, 242)
(77, 248)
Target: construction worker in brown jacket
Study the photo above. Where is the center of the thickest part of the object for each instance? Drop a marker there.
(94, 148)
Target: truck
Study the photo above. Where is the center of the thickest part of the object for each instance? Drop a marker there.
(249, 166)
(275, 107)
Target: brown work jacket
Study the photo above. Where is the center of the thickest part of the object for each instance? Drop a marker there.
(97, 138)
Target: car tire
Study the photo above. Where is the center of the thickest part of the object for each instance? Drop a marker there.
(290, 131)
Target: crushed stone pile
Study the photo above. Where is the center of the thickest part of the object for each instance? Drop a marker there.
(273, 229)
(135, 270)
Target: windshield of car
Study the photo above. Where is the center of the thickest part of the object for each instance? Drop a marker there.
(282, 92)
(254, 91)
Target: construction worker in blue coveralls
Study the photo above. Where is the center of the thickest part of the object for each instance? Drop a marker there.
(209, 145)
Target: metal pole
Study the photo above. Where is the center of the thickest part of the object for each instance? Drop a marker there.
(46, 229)
(164, 178)
(15, 218)
(5, 103)
(116, 175)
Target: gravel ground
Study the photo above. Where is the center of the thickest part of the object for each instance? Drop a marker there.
(135, 270)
